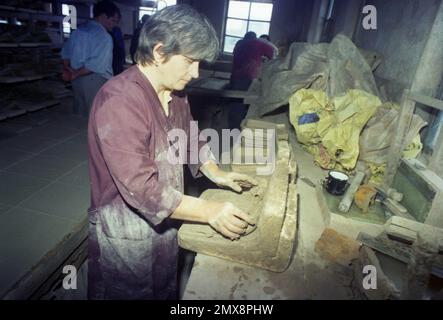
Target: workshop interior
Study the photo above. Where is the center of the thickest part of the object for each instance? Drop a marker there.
(338, 118)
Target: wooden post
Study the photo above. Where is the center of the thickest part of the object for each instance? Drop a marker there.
(436, 162)
(397, 144)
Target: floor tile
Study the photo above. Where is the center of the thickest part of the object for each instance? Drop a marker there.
(69, 150)
(17, 187)
(9, 156)
(26, 237)
(78, 177)
(61, 200)
(54, 132)
(4, 208)
(70, 121)
(28, 142)
(45, 167)
(81, 138)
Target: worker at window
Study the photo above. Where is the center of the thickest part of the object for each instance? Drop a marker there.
(137, 195)
(87, 55)
(247, 60)
(136, 35)
(266, 39)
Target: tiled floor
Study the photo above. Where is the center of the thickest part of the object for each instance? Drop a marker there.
(44, 190)
(44, 193)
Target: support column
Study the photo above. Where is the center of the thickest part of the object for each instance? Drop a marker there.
(430, 67)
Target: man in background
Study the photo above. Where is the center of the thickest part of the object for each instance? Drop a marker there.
(248, 57)
(266, 39)
(87, 55)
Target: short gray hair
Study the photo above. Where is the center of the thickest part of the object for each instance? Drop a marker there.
(182, 30)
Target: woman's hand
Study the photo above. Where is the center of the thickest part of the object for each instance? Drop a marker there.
(235, 181)
(229, 220)
(224, 217)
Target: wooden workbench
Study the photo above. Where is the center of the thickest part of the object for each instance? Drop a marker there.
(215, 278)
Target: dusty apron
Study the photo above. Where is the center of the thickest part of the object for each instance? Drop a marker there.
(129, 258)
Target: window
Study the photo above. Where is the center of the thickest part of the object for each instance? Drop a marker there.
(159, 4)
(244, 16)
(66, 25)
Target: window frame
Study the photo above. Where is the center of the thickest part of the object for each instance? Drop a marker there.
(66, 26)
(248, 20)
(152, 10)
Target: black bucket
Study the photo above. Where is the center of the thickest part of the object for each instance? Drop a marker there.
(336, 183)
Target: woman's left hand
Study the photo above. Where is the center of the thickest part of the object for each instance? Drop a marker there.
(235, 181)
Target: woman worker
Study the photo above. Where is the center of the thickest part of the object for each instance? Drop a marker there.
(136, 193)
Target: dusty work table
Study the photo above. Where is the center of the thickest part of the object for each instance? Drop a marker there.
(217, 279)
(214, 84)
(308, 275)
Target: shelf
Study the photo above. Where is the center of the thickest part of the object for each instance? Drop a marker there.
(31, 107)
(25, 13)
(26, 45)
(24, 107)
(8, 45)
(9, 8)
(11, 113)
(10, 80)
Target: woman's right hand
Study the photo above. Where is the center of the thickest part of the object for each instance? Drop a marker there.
(228, 220)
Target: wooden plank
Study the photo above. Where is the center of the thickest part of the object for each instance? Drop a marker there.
(6, 79)
(431, 232)
(427, 101)
(76, 259)
(39, 274)
(39, 105)
(397, 145)
(436, 161)
(8, 45)
(17, 111)
(397, 250)
(401, 234)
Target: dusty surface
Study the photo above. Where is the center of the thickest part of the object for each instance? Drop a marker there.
(335, 247)
(308, 276)
(272, 205)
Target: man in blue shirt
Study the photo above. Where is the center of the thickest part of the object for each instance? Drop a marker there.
(87, 55)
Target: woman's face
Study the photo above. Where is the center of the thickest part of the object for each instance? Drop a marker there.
(178, 71)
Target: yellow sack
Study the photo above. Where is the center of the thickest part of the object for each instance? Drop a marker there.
(413, 149)
(340, 122)
(306, 101)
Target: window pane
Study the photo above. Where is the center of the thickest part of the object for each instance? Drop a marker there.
(259, 27)
(65, 9)
(238, 9)
(230, 44)
(236, 27)
(261, 11)
(66, 27)
(145, 10)
(165, 3)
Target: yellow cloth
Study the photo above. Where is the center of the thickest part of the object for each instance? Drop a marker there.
(334, 139)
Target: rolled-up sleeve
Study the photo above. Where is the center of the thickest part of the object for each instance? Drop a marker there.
(122, 130)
